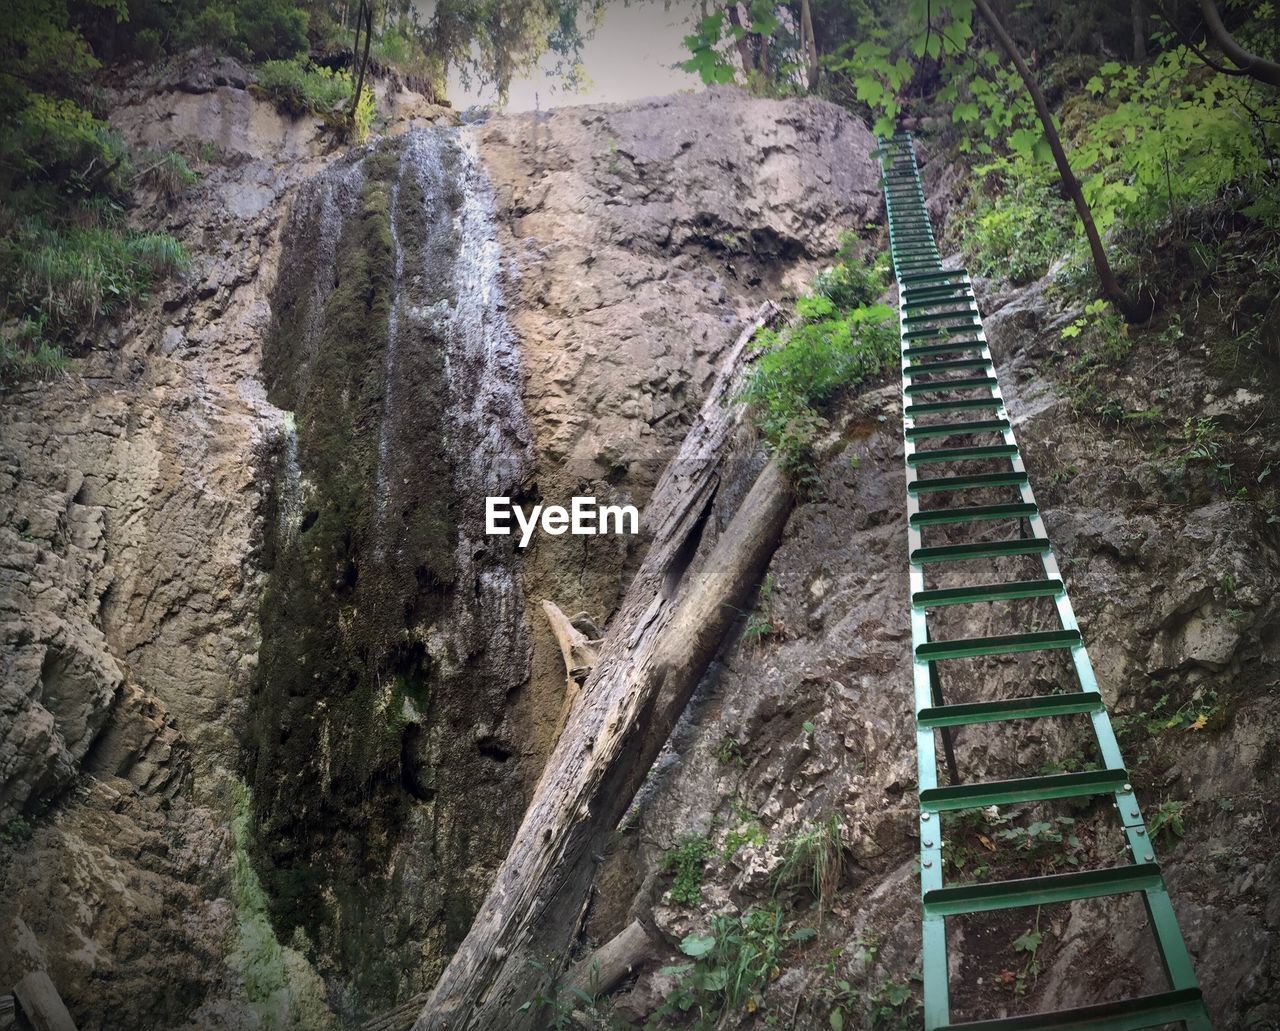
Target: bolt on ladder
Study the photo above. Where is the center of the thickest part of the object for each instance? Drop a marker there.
(948, 375)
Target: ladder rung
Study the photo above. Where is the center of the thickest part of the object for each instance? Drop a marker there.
(942, 334)
(931, 304)
(925, 350)
(973, 514)
(947, 366)
(939, 386)
(1002, 644)
(1141, 1011)
(979, 795)
(969, 313)
(934, 483)
(955, 429)
(1034, 707)
(963, 454)
(930, 484)
(1042, 891)
(963, 405)
(955, 273)
(920, 294)
(933, 277)
(982, 549)
(1036, 641)
(987, 592)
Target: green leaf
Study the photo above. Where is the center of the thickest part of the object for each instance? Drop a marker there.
(1023, 141)
(696, 945)
(868, 89)
(1042, 151)
(814, 307)
(965, 112)
(836, 1020)
(1028, 942)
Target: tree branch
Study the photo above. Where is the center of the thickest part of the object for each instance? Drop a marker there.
(1190, 45)
(1251, 64)
(1133, 312)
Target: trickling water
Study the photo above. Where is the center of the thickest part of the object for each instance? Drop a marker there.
(394, 632)
(382, 485)
(483, 363)
(452, 295)
(329, 201)
(488, 432)
(290, 504)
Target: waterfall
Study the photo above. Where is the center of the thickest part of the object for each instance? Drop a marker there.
(488, 431)
(393, 627)
(290, 504)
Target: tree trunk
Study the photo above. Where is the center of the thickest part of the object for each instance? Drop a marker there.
(1252, 64)
(1132, 311)
(659, 645)
(810, 44)
(742, 43)
(615, 960)
(366, 12)
(1139, 16)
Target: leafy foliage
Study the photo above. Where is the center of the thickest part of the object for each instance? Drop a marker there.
(687, 861)
(1015, 223)
(840, 338)
(730, 968)
(1170, 136)
(301, 88)
(863, 1001)
(67, 258)
(708, 62)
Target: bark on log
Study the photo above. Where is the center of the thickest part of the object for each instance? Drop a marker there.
(576, 649)
(615, 960)
(400, 1018)
(39, 1001)
(657, 648)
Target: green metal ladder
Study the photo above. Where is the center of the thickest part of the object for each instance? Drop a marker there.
(949, 390)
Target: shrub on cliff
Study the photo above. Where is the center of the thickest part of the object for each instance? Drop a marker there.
(68, 257)
(839, 339)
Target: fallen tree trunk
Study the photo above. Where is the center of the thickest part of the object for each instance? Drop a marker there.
(658, 647)
(615, 960)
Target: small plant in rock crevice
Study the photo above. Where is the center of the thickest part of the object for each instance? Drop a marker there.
(1166, 822)
(746, 829)
(688, 861)
(814, 858)
(563, 1006)
(730, 967)
(760, 619)
(862, 1000)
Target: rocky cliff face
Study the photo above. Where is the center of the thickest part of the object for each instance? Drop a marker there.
(220, 505)
(1171, 561)
(272, 704)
